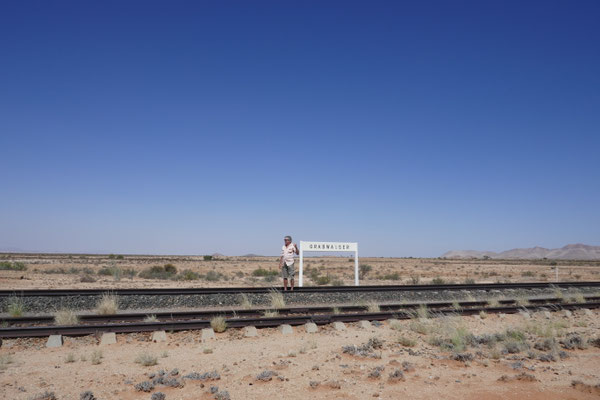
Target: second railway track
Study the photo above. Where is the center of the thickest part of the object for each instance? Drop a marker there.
(305, 289)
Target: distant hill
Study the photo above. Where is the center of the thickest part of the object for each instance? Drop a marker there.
(13, 249)
(251, 255)
(569, 252)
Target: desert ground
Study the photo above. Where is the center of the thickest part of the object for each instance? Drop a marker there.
(478, 357)
(539, 356)
(31, 271)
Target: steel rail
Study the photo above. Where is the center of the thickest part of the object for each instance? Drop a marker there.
(305, 289)
(320, 319)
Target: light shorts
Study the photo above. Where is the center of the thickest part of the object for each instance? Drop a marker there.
(287, 271)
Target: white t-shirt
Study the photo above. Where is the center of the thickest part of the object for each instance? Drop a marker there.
(288, 253)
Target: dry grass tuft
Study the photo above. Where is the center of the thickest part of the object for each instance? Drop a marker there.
(5, 360)
(277, 300)
(146, 359)
(423, 312)
(406, 342)
(66, 317)
(246, 304)
(522, 302)
(108, 304)
(373, 307)
(270, 313)
(96, 357)
(15, 306)
(150, 318)
(396, 325)
(493, 303)
(218, 324)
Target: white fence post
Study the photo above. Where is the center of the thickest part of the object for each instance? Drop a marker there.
(300, 281)
(356, 267)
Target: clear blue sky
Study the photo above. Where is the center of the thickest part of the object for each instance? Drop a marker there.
(198, 127)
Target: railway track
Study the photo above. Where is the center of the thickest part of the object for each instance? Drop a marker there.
(305, 289)
(286, 311)
(318, 315)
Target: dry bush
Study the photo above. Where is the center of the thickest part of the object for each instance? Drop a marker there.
(245, 303)
(5, 359)
(96, 357)
(277, 300)
(66, 316)
(270, 313)
(406, 342)
(423, 312)
(218, 324)
(373, 307)
(150, 318)
(15, 306)
(108, 304)
(146, 359)
(396, 325)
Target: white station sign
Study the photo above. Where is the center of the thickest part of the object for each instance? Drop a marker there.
(329, 246)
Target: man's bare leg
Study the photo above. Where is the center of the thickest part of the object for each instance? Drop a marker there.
(285, 284)
(292, 284)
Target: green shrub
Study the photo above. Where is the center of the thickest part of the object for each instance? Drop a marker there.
(107, 271)
(527, 273)
(391, 277)
(264, 272)
(188, 275)
(61, 270)
(15, 306)
(438, 281)
(364, 269)
(16, 266)
(208, 258)
(129, 272)
(213, 276)
(323, 280)
(170, 269)
(167, 271)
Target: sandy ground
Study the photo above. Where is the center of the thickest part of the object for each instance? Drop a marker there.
(67, 271)
(301, 357)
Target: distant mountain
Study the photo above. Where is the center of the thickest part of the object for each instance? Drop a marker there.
(569, 252)
(13, 249)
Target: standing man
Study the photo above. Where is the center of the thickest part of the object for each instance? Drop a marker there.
(286, 262)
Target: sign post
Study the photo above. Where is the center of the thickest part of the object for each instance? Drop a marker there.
(325, 247)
